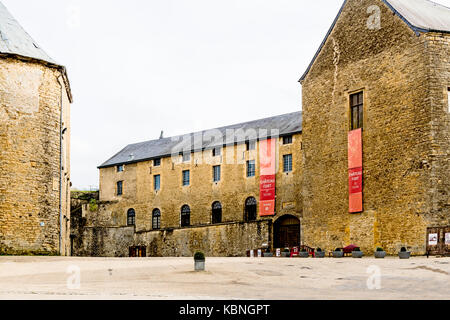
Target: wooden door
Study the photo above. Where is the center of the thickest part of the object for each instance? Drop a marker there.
(438, 241)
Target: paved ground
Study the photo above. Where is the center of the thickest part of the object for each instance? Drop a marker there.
(225, 278)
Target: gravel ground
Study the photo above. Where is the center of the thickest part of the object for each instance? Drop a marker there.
(224, 278)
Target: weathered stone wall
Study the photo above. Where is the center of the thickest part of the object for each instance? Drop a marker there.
(228, 239)
(30, 102)
(392, 66)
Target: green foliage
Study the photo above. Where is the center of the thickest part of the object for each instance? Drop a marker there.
(338, 250)
(93, 206)
(403, 249)
(319, 250)
(380, 249)
(357, 249)
(303, 250)
(199, 256)
(286, 250)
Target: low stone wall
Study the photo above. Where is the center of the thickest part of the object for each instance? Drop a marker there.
(222, 240)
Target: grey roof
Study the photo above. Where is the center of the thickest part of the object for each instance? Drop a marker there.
(15, 40)
(235, 134)
(419, 15)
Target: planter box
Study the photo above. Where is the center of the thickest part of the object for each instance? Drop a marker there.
(268, 254)
(303, 254)
(319, 254)
(357, 254)
(380, 254)
(285, 254)
(404, 255)
(338, 254)
(199, 265)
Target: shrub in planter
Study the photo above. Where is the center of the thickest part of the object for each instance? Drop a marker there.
(319, 253)
(357, 253)
(303, 253)
(286, 253)
(199, 258)
(267, 254)
(404, 254)
(338, 253)
(380, 253)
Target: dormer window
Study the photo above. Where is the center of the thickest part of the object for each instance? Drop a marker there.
(120, 168)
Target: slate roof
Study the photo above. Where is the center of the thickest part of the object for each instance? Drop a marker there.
(235, 134)
(419, 15)
(15, 40)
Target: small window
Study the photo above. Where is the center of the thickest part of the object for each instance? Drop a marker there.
(119, 188)
(251, 168)
(186, 157)
(186, 178)
(157, 182)
(217, 152)
(131, 217)
(356, 108)
(157, 162)
(251, 145)
(185, 216)
(156, 219)
(287, 163)
(216, 173)
(120, 168)
(287, 140)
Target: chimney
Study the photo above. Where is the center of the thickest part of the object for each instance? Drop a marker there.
(162, 135)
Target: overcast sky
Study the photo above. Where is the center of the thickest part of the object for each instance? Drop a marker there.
(137, 67)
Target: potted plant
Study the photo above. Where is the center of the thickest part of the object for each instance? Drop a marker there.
(267, 254)
(319, 253)
(303, 253)
(338, 253)
(380, 253)
(286, 253)
(357, 253)
(199, 258)
(404, 254)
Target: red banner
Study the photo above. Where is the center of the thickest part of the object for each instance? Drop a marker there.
(267, 156)
(355, 171)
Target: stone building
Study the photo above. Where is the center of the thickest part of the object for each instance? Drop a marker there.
(35, 102)
(210, 191)
(376, 129)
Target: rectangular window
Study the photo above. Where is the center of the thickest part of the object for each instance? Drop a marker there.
(216, 173)
(251, 145)
(287, 163)
(251, 168)
(157, 182)
(119, 188)
(186, 157)
(120, 168)
(356, 108)
(156, 162)
(217, 152)
(448, 99)
(287, 140)
(186, 178)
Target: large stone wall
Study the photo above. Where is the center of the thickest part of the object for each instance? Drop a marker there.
(228, 239)
(31, 96)
(405, 135)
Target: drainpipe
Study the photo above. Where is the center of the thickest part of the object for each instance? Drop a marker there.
(60, 80)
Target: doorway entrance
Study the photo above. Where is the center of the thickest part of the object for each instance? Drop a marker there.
(287, 232)
(138, 252)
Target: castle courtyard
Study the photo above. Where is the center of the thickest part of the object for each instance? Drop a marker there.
(224, 278)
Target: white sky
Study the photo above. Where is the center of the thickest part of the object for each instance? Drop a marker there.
(141, 66)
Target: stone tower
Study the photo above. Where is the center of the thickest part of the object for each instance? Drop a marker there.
(35, 102)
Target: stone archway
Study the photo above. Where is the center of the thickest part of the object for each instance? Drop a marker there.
(286, 232)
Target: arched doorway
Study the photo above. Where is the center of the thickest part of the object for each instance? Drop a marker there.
(287, 232)
(251, 207)
(216, 212)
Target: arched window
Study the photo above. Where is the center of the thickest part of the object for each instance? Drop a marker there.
(250, 209)
(156, 219)
(131, 217)
(216, 212)
(185, 216)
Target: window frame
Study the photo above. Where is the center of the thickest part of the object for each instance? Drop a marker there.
(357, 110)
(217, 152)
(157, 162)
(158, 219)
(287, 140)
(184, 182)
(119, 183)
(186, 157)
(159, 182)
(288, 166)
(120, 168)
(217, 176)
(251, 173)
(250, 145)
(185, 213)
(132, 217)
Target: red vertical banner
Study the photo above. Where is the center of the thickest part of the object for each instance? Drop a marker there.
(267, 160)
(355, 171)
